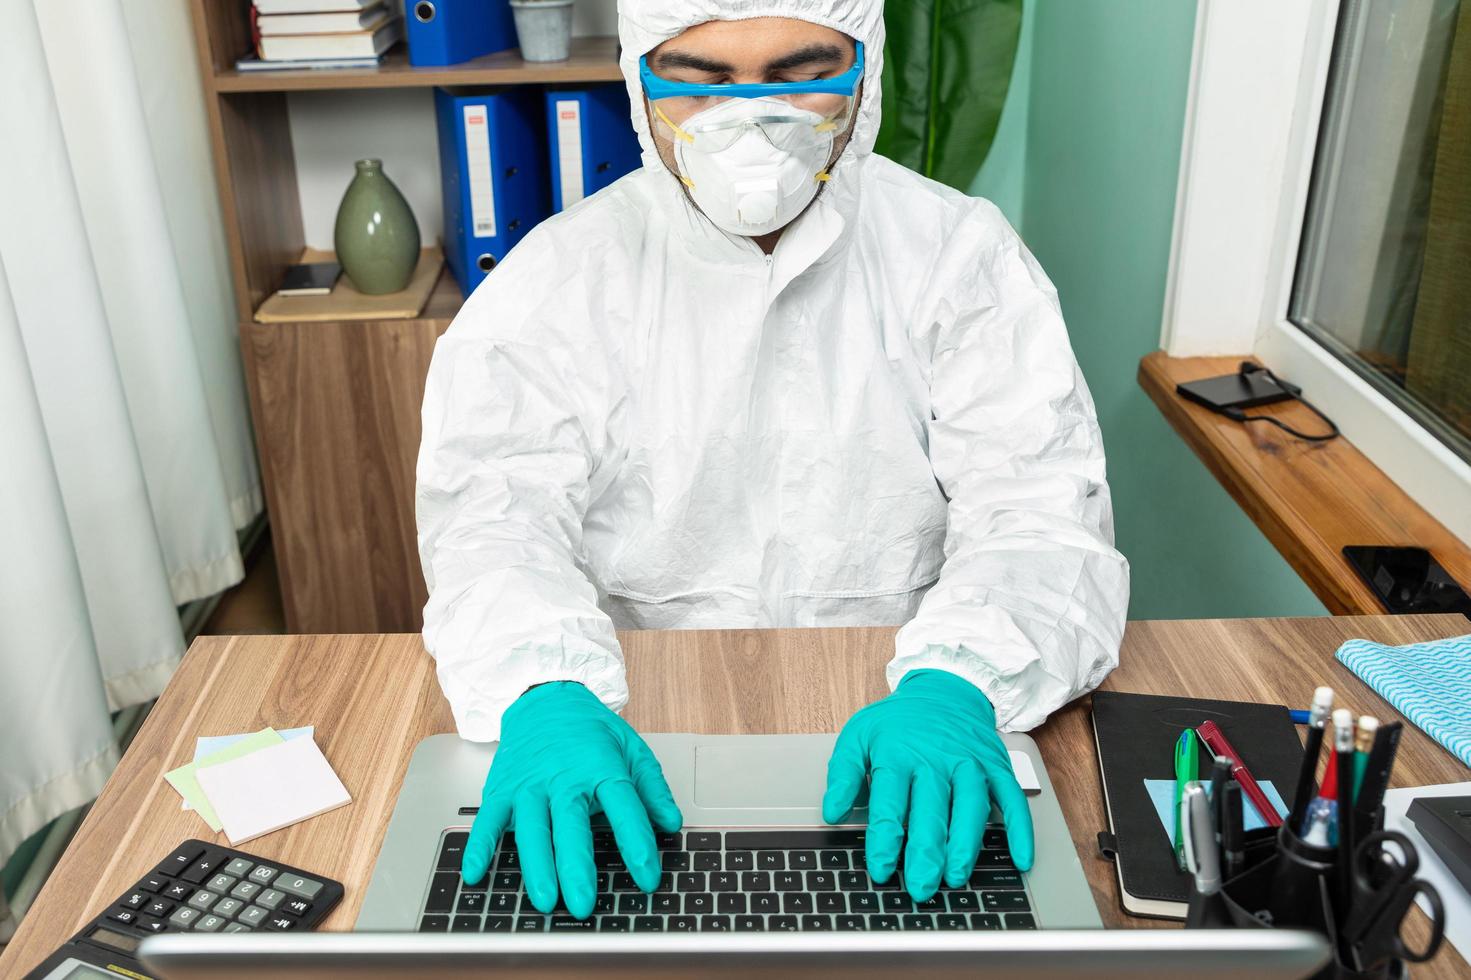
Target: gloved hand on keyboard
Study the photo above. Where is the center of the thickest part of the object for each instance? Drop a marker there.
(938, 761)
(564, 756)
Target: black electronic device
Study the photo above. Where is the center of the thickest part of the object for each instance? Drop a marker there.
(310, 279)
(1445, 823)
(1408, 580)
(1250, 387)
(201, 888)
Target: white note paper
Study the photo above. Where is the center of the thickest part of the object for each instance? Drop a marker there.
(272, 788)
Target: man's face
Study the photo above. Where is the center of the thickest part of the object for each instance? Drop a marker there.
(762, 50)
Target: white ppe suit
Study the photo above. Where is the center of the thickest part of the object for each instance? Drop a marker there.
(639, 421)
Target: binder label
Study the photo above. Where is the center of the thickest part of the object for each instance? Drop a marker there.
(477, 162)
(569, 150)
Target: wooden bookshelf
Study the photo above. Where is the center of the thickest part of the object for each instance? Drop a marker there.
(335, 405)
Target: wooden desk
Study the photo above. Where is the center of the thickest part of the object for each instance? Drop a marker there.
(372, 698)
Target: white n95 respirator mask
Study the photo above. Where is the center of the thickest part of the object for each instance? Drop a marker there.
(753, 165)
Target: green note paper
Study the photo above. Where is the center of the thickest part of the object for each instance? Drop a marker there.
(185, 779)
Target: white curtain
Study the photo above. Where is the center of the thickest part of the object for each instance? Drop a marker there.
(126, 465)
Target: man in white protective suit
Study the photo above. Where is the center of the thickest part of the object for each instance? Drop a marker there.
(769, 380)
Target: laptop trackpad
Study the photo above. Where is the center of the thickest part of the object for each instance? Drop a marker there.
(741, 773)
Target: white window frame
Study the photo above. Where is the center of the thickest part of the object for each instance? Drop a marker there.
(1257, 84)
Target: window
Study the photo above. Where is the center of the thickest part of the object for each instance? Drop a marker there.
(1383, 276)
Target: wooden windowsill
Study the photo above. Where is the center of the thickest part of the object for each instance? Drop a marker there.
(1309, 499)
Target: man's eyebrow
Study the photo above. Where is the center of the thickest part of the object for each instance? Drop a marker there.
(685, 59)
(811, 55)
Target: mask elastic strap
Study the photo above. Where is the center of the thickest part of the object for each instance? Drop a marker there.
(680, 133)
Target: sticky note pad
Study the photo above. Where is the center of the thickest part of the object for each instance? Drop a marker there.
(272, 788)
(185, 778)
(206, 745)
(1162, 795)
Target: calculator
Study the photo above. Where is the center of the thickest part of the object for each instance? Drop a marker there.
(198, 888)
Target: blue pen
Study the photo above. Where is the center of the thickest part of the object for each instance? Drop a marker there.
(1300, 717)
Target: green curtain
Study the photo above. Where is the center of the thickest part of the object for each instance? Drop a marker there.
(948, 66)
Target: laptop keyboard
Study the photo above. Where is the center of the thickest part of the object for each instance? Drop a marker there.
(787, 880)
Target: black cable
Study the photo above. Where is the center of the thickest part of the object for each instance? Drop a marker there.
(1238, 415)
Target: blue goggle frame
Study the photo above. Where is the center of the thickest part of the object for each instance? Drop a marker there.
(662, 88)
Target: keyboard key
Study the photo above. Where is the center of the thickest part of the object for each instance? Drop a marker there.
(669, 842)
(750, 923)
(985, 920)
(1020, 920)
(531, 923)
(282, 923)
(821, 881)
(715, 923)
(682, 923)
(238, 867)
(730, 903)
(160, 907)
(664, 903)
(245, 891)
(853, 881)
(1005, 901)
(739, 860)
(833, 860)
(994, 859)
(126, 916)
(707, 861)
(675, 860)
(771, 860)
(765, 902)
(698, 840)
(999, 879)
(782, 923)
(262, 874)
(604, 881)
(228, 907)
(794, 839)
(203, 900)
(136, 900)
(851, 923)
(883, 923)
(831, 902)
(452, 851)
(501, 902)
(648, 923)
(895, 883)
(633, 904)
(498, 923)
(469, 903)
(179, 861)
(465, 923)
(602, 905)
(935, 903)
(964, 902)
(863, 901)
(897, 902)
(666, 882)
(306, 888)
(918, 922)
(787, 881)
(608, 861)
(185, 917)
(623, 882)
(817, 923)
(441, 893)
(614, 923)
(951, 921)
(211, 923)
(221, 883)
(796, 902)
(724, 881)
(505, 881)
(527, 906)
(802, 860)
(690, 881)
(699, 903)
(254, 915)
(199, 871)
(153, 884)
(994, 838)
(507, 860)
(604, 840)
(755, 881)
(566, 923)
(434, 923)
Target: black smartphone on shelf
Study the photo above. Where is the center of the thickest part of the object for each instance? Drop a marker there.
(1408, 580)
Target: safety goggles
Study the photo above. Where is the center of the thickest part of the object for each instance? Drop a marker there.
(790, 114)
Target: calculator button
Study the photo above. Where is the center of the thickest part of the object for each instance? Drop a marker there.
(176, 863)
(270, 898)
(202, 900)
(235, 927)
(153, 883)
(227, 907)
(297, 885)
(253, 916)
(300, 906)
(221, 883)
(262, 875)
(160, 907)
(136, 900)
(245, 891)
(210, 923)
(199, 871)
(178, 891)
(184, 917)
(150, 924)
(238, 867)
(280, 923)
(126, 916)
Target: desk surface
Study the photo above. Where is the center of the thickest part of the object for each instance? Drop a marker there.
(372, 698)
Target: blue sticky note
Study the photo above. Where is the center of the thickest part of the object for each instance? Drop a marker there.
(1162, 795)
(205, 744)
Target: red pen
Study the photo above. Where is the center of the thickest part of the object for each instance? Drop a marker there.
(1215, 740)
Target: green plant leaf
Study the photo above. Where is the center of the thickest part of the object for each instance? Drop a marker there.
(948, 68)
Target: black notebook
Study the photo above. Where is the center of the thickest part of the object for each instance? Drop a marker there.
(1136, 736)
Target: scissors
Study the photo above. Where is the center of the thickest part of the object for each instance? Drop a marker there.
(1384, 887)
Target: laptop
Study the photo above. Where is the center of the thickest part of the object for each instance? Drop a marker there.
(754, 881)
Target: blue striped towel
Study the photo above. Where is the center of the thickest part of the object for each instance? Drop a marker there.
(1430, 684)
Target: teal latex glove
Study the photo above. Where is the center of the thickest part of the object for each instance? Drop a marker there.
(564, 756)
(936, 758)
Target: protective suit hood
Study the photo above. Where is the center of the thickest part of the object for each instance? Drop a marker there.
(645, 24)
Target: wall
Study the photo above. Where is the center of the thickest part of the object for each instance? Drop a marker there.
(1105, 109)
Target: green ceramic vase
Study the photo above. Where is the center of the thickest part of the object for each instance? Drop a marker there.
(377, 237)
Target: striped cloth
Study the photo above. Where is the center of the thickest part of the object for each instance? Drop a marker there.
(1430, 684)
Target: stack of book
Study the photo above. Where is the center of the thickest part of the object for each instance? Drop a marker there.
(321, 33)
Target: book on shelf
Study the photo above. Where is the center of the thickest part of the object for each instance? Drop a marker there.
(355, 44)
(341, 22)
(251, 63)
(312, 6)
